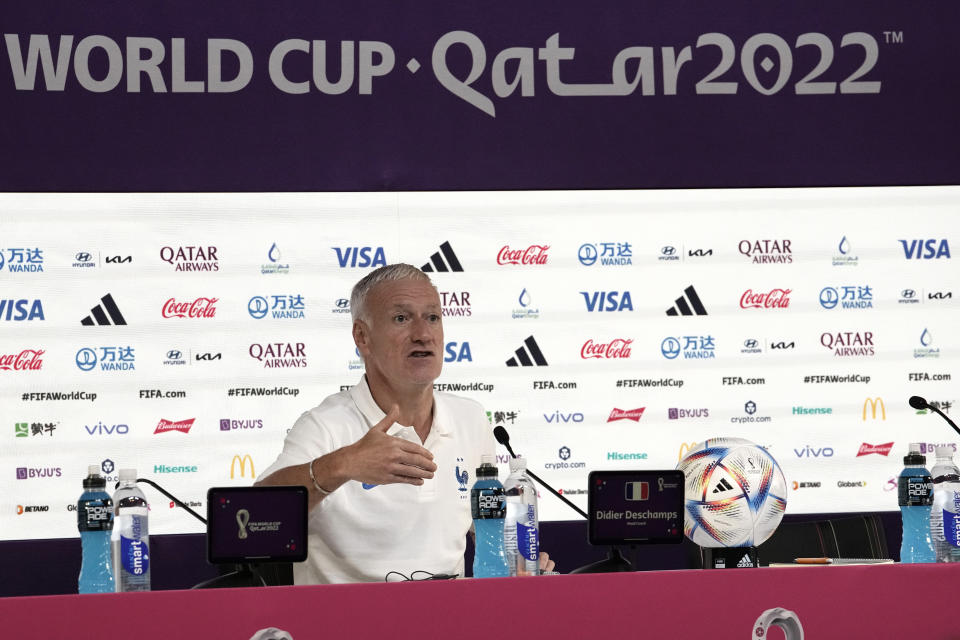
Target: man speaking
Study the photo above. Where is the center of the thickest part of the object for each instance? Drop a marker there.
(389, 463)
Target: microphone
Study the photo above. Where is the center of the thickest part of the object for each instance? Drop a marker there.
(504, 438)
(919, 403)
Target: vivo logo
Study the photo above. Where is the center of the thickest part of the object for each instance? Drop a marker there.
(813, 452)
(607, 301)
(360, 256)
(106, 430)
(557, 417)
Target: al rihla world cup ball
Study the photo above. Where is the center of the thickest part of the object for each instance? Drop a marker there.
(735, 493)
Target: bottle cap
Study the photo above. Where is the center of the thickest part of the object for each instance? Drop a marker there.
(914, 458)
(93, 470)
(914, 447)
(518, 465)
(488, 467)
(128, 475)
(488, 459)
(944, 451)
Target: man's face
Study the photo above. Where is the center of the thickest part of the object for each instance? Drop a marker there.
(402, 338)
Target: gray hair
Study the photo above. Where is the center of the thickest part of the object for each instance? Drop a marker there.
(388, 273)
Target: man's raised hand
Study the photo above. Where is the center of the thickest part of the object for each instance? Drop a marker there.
(378, 458)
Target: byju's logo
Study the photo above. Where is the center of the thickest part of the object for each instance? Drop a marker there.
(766, 251)
(26, 360)
(607, 301)
(846, 257)
(275, 264)
(692, 347)
(437, 260)
(847, 297)
(534, 254)
(773, 299)
(104, 314)
(618, 254)
(526, 310)
(227, 424)
(617, 348)
(22, 309)
(926, 350)
(33, 473)
(191, 258)
(199, 308)
(110, 359)
(285, 307)
(22, 260)
(925, 249)
(277, 355)
(528, 355)
(680, 414)
(360, 257)
(848, 343)
(457, 352)
(682, 308)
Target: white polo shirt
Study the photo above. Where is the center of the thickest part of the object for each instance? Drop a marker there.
(361, 532)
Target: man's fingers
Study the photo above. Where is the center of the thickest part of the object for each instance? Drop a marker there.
(410, 449)
(392, 416)
(412, 470)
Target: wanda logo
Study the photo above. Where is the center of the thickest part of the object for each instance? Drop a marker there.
(618, 348)
(775, 299)
(26, 360)
(199, 308)
(534, 254)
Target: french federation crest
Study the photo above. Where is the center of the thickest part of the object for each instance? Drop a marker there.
(463, 477)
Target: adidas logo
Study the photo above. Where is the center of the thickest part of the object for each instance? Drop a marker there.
(437, 260)
(98, 314)
(683, 309)
(745, 561)
(523, 355)
(722, 486)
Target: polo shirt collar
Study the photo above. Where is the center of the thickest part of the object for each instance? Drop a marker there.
(360, 393)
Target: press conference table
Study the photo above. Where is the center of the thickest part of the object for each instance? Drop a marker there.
(878, 601)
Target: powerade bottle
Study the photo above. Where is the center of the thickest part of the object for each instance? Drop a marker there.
(95, 521)
(915, 495)
(521, 528)
(488, 505)
(945, 511)
(131, 541)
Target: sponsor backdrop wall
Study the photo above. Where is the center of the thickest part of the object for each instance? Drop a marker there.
(184, 334)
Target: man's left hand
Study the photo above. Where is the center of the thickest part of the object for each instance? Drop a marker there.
(546, 564)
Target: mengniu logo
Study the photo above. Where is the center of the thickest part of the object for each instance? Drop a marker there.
(455, 304)
(22, 260)
(191, 258)
(607, 301)
(182, 426)
(879, 449)
(360, 256)
(925, 249)
(26, 360)
(457, 352)
(104, 314)
(239, 463)
(437, 262)
(617, 254)
(682, 308)
(773, 299)
(618, 348)
(535, 254)
(766, 251)
(847, 297)
(873, 404)
(110, 359)
(848, 343)
(22, 309)
(199, 308)
(287, 307)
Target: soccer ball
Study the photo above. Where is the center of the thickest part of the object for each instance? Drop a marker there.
(735, 493)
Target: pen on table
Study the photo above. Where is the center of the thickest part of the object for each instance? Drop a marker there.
(813, 560)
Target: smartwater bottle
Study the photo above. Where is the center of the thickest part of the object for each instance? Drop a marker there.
(488, 504)
(915, 495)
(945, 511)
(521, 528)
(131, 539)
(95, 521)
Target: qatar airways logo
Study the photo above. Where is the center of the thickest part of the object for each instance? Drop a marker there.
(534, 254)
(191, 258)
(766, 251)
(879, 449)
(849, 343)
(199, 308)
(26, 360)
(617, 348)
(773, 299)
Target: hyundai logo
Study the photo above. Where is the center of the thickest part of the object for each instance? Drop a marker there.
(587, 254)
(829, 297)
(750, 343)
(173, 355)
(668, 251)
(258, 307)
(670, 348)
(343, 303)
(83, 257)
(908, 293)
(86, 359)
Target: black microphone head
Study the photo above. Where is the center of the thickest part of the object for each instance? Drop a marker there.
(501, 435)
(918, 403)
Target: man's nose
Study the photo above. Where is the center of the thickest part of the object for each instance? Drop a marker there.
(422, 331)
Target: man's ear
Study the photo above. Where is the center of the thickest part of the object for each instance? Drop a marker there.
(361, 334)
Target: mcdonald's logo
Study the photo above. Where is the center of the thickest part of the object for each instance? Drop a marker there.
(685, 448)
(873, 402)
(243, 466)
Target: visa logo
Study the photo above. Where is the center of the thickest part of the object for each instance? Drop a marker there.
(454, 354)
(813, 452)
(7, 308)
(556, 416)
(925, 249)
(607, 301)
(360, 257)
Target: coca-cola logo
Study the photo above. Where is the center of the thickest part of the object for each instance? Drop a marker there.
(26, 360)
(628, 414)
(774, 299)
(879, 449)
(534, 254)
(167, 425)
(617, 348)
(199, 308)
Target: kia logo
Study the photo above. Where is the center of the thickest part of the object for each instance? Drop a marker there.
(173, 355)
(829, 297)
(86, 359)
(587, 254)
(908, 293)
(750, 344)
(668, 251)
(258, 307)
(670, 348)
(343, 303)
(83, 257)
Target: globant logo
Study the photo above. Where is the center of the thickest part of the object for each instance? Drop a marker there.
(847, 297)
(849, 343)
(773, 299)
(535, 254)
(360, 257)
(17, 310)
(191, 258)
(110, 359)
(226, 424)
(925, 350)
(26, 360)
(692, 347)
(275, 265)
(629, 414)
(617, 254)
(925, 249)
(680, 414)
(22, 260)
(166, 425)
(280, 307)
(879, 449)
(845, 259)
(599, 301)
(277, 355)
(199, 308)
(854, 484)
(455, 304)
(617, 348)
(766, 251)
(526, 310)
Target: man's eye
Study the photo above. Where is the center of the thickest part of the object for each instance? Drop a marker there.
(434, 317)
(399, 317)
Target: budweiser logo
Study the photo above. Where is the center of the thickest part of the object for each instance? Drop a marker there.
(618, 348)
(199, 308)
(166, 425)
(880, 449)
(775, 299)
(26, 360)
(534, 254)
(630, 414)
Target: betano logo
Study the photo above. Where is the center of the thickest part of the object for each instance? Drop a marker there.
(243, 466)
(872, 403)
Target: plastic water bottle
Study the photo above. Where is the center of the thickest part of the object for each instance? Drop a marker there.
(915, 495)
(521, 528)
(945, 511)
(488, 504)
(131, 540)
(95, 521)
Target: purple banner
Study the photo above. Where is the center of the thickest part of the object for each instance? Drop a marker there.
(360, 95)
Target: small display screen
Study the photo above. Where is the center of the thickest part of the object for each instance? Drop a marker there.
(256, 524)
(635, 507)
